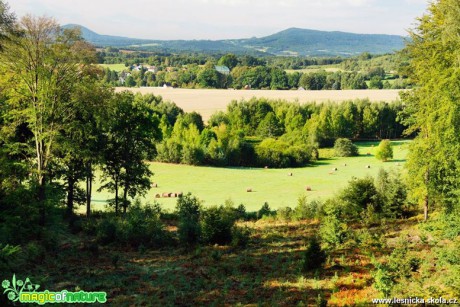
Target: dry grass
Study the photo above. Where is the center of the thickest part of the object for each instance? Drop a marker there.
(208, 101)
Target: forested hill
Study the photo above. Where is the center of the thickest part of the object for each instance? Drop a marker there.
(292, 41)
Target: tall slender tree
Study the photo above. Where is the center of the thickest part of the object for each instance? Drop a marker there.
(41, 68)
(433, 107)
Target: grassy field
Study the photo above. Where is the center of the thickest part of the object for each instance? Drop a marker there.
(208, 101)
(310, 69)
(115, 67)
(215, 185)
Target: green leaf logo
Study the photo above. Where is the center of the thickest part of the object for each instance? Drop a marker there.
(14, 288)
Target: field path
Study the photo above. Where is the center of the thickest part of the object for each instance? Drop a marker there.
(208, 101)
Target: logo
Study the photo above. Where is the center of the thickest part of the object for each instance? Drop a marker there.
(26, 292)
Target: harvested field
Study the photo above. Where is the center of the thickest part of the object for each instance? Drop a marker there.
(208, 101)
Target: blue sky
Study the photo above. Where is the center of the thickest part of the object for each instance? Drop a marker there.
(223, 19)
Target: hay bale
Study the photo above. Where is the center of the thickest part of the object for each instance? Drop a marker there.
(165, 195)
(180, 194)
(248, 190)
(331, 173)
(154, 185)
(368, 153)
(344, 164)
(266, 167)
(157, 196)
(308, 188)
(335, 169)
(172, 194)
(368, 166)
(290, 174)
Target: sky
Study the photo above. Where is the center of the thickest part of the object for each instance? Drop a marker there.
(226, 19)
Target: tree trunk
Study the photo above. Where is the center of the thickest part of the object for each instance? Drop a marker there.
(89, 187)
(426, 200)
(41, 200)
(70, 196)
(125, 200)
(116, 196)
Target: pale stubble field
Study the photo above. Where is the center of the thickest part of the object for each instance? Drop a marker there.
(208, 101)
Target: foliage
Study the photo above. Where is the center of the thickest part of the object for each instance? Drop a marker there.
(384, 151)
(333, 231)
(314, 257)
(432, 107)
(345, 148)
(217, 224)
(189, 210)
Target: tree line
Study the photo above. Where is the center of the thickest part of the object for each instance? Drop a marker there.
(262, 132)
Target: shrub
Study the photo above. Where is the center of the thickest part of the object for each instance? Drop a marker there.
(264, 211)
(189, 211)
(313, 257)
(358, 195)
(217, 224)
(345, 148)
(142, 226)
(107, 230)
(240, 236)
(307, 210)
(333, 232)
(384, 151)
(392, 193)
(284, 214)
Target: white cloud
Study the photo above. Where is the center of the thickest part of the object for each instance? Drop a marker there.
(214, 19)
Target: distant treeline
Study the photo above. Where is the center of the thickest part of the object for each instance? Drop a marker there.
(274, 133)
(199, 71)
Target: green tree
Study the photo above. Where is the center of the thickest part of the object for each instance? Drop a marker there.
(7, 24)
(384, 151)
(42, 68)
(229, 60)
(345, 148)
(434, 156)
(130, 130)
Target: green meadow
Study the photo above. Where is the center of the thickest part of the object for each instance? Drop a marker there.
(114, 67)
(214, 185)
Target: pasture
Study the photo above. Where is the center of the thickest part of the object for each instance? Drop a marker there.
(114, 67)
(208, 101)
(215, 185)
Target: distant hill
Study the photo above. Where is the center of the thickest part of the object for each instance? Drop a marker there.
(293, 41)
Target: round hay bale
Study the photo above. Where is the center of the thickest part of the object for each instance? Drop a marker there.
(290, 174)
(248, 190)
(308, 188)
(368, 153)
(165, 195)
(335, 169)
(172, 195)
(157, 196)
(154, 185)
(266, 167)
(344, 164)
(368, 166)
(180, 194)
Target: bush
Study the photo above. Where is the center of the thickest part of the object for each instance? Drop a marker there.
(313, 257)
(107, 230)
(384, 151)
(345, 148)
(284, 214)
(142, 226)
(189, 212)
(333, 232)
(307, 210)
(240, 236)
(217, 224)
(264, 211)
(358, 195)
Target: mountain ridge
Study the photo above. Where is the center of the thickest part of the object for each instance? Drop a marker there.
(291, 41)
